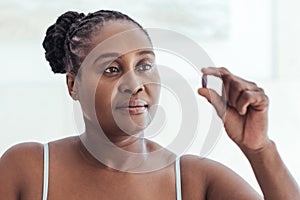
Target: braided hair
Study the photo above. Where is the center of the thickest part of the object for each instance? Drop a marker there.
(66, 40)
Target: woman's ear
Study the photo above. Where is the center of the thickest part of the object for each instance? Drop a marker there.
(72, 86)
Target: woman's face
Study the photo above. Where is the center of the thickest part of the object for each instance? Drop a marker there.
(119, 82)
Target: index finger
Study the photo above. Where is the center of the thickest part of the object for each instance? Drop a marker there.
(216, 71)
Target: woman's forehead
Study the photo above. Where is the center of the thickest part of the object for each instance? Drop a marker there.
(121, 32)
(120, 39)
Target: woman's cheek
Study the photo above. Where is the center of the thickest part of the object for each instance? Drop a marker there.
(104, 96)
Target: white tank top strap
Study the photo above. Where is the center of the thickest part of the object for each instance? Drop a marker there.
(178, 179)
(46, 171)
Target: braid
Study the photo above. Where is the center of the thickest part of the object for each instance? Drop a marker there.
(54, 41)
(67, 39)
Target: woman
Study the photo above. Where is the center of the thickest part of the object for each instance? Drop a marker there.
(115, 89)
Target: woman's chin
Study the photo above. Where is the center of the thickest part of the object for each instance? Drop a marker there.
(132, 124)
(134, 128)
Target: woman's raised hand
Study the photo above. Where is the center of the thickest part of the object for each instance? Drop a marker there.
(243, 108)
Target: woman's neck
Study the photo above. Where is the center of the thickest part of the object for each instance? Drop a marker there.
(123, 152)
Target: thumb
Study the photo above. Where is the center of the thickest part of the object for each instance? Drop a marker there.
(215, 99)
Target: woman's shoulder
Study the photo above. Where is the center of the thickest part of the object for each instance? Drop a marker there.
(203, 166)
(23, 159)
(195, 166)
(195, 161)
(27, 154)
(23, 153)
(19, 165)
(207, 177)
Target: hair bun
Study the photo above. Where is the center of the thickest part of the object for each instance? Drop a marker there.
(54, 42)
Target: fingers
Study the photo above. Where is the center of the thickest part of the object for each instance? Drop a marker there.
(215, 99)
(256, 99)
(237, 92)
(214, 71)
(234, 87)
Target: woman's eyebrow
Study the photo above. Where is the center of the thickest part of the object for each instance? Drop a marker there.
(107, 55)
(145, 52)
(117, 55)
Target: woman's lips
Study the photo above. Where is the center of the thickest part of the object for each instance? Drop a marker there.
(134, 107)
(135, 110)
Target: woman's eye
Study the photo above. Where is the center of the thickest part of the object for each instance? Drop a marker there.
(111, 70)
(143, 67)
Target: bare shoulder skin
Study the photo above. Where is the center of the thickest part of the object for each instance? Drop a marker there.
(203, 178)
(21, 176)
(76, 174)
(21, 168)
(21, 172)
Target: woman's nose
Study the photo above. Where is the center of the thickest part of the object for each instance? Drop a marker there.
(130, 83)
